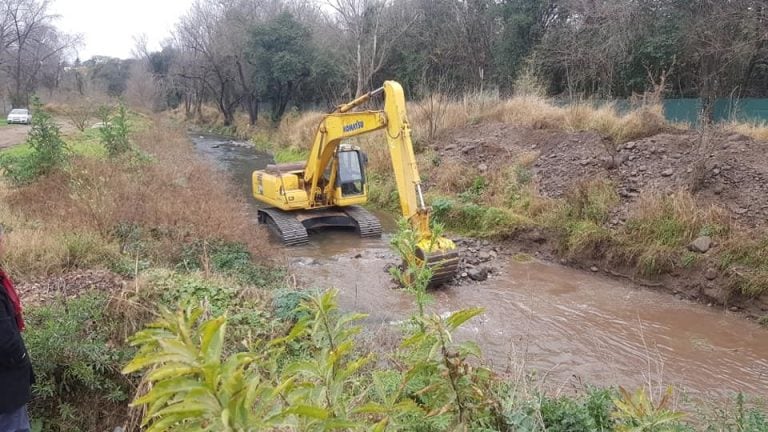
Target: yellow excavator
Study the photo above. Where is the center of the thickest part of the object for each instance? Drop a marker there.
(328, 189)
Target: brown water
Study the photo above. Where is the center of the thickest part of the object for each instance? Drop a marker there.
(568, 325)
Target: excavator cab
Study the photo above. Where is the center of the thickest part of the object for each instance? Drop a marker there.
(350, 179)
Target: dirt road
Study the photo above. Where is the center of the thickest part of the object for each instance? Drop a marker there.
(11, 135)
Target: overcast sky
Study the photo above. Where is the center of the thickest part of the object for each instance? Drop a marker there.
(108, 26)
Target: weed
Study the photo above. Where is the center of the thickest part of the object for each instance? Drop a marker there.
(565, 414)
(76, 363)
(48, 149)
(474, 219)
(114, 130)
(763, 321)
(746, 259)
(581, 216)
(637, 411)
(232, 260)
(689, 259)
(290, 154)
(659, 229)
(756, 130)
(475, 190)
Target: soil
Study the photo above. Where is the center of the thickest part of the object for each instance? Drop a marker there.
(733, 176)
(15, 134)
(735, 173)
(11, 135)
(69, 285)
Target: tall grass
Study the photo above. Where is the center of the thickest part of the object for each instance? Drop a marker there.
(755, 130)
(152, 205)
(661, 226)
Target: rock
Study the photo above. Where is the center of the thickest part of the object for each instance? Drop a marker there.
(358, 256)
(701, 244)
(535, 236)
(482, 167)
(464, 274)
(734, 308)
(478, 275)
(493, 254)
(710, 273)
(740, 210)
(718, 189)
(563, 261)
(584, 162)
(716, 171)
(629, 145)
(642, 168)
(594, 269)
(667, 172)
(484, 256)
(735, 137)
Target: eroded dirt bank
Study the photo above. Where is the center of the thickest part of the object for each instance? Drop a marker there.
(722, 169)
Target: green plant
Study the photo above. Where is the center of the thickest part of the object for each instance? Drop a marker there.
(763, 321)
(475, 190)
(230, 259)
(637, 412)
(114, 130)
(48, 149)
(75, 360)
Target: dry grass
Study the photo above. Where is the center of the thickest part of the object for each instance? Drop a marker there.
(661, 226)
(298, 131)
(756, 131)
(169, 203)
(451, 177)
(540, 113)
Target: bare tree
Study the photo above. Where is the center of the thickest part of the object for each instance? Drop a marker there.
(371, 29)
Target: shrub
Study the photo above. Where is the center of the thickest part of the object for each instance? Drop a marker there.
(114, 130)
(76, 364)
(49, 151)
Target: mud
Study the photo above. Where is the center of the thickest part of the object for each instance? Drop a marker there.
(568, 325)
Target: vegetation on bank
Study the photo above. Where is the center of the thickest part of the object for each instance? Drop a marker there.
(297, 359)
(135, 211)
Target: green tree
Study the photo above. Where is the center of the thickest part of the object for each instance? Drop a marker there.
(282, 56)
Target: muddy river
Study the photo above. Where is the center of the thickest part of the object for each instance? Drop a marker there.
(569, 326)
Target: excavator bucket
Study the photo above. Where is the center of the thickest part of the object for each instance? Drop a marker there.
(443, 263)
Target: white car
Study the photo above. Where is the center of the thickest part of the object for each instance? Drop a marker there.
(20, 116)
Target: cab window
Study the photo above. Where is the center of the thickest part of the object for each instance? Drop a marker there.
(351, 175)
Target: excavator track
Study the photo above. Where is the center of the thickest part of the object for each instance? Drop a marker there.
(290, 230)
(368, 225)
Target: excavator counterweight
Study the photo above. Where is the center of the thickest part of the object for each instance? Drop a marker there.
(328, 189)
